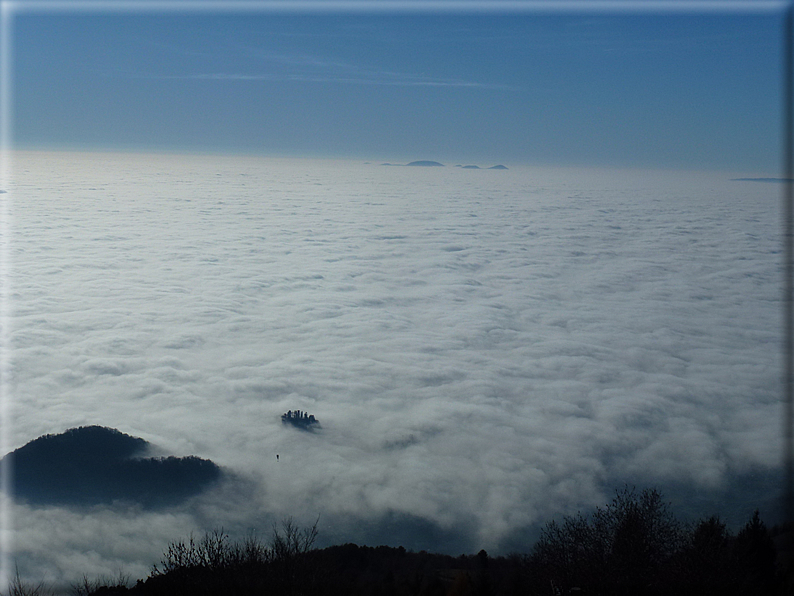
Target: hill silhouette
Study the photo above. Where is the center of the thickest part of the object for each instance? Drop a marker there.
(92, 465)
(425, 163)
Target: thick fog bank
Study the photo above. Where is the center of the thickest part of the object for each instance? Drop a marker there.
(484, 349)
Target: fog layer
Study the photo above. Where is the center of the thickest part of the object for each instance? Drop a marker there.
(484, 349)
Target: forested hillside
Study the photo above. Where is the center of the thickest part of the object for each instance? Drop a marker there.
(633, 545)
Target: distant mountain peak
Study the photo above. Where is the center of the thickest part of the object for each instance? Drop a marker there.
(425, 163)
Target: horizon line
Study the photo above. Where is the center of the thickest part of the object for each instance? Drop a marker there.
(401, 6)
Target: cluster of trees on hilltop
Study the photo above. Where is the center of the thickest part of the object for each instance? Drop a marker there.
(632, 546)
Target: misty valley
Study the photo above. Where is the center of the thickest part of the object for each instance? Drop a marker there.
(442, 359)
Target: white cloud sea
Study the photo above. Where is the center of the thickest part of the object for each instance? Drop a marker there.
(484, 349)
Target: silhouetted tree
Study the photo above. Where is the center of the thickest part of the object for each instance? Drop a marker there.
(703, 566)
(621, 548)
(754, 556)
(18, 587)
(290, 546)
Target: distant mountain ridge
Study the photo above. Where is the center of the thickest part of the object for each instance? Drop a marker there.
(762, 180)
(428, 163)
(93, 465)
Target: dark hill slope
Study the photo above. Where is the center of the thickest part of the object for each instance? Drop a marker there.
(92, 465)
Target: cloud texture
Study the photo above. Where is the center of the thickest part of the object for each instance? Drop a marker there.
(484, 349)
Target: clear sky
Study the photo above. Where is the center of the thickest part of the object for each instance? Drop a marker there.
(659, 89)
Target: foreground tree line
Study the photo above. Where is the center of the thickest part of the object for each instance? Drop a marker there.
(634, 545)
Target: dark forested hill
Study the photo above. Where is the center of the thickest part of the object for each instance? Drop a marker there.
(93, 464)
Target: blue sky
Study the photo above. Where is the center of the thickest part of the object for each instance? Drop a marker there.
(662, 89)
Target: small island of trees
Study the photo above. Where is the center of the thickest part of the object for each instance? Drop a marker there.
(300, 419)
